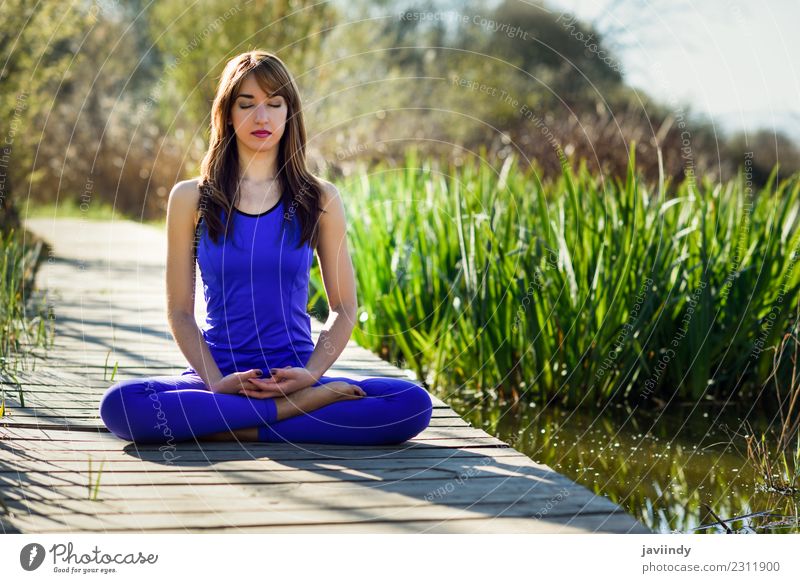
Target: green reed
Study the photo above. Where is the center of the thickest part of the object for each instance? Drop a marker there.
(581, 289)
(23, 322)
(94, 487)
(776, 455)
(105, 368)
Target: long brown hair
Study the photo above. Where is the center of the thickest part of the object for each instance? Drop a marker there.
(300, 190)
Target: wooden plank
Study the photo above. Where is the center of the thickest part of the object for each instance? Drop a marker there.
(536, 501)
(616, 523)
(210, 448)
(585, 523)
(437, 489)
(56, 479)
(149, 470)
(267, 520)
(92, 439)
(221, 458)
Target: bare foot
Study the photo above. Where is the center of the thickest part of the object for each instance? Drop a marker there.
(302, 401)
(312, 398)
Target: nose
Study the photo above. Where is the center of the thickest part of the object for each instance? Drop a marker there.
(261, 114)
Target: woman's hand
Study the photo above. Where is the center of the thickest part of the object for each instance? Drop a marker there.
(235, 382)
(283, 382)
(340, 390)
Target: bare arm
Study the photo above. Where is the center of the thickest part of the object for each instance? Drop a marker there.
(340, 284)
(181, 213)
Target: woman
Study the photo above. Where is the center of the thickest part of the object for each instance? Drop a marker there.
(253, 219)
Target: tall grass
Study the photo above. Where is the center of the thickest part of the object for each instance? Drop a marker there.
(776, 456)
(23, 321)
(576, 290)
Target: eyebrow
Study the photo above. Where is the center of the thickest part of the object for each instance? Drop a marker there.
(248, 96)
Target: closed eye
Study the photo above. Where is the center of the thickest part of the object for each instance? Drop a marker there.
(249, 106)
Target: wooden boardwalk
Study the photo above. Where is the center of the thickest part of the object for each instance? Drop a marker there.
(106, 282)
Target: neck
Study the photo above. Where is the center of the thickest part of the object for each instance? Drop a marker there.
(258, 166)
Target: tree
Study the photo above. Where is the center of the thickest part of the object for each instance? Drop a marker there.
(37, 44)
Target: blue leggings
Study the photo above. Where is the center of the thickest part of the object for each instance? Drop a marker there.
(162, 409)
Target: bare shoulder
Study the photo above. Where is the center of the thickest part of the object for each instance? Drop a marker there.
(184, 199)
(186, 191)
(330, 194)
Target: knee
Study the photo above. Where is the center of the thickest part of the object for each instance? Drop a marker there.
(416, 411)
(117, 403)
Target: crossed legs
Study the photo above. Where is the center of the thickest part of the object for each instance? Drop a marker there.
(162, 409)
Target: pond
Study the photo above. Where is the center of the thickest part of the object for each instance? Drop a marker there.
(663, 467)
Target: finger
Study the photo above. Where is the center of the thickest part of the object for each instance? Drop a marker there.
(274, 374)
(258, 381)
(262, 388)
(280, 373)
(260, 385)
(278, 385)
(266, 384)
(251, 383)
(357, 390)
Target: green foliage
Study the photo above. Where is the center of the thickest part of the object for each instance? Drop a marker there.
(23, 322)
(579, 289)
(196, 43)
(38, 42)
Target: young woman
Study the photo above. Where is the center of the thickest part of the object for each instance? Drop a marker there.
(253, 219)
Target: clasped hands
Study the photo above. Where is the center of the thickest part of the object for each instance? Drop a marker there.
(282, 382)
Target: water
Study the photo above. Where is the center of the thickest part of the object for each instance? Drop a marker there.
(662, 467)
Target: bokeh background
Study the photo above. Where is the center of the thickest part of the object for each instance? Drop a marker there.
(120, 91)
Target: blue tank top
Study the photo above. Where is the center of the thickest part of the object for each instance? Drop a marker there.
(255, 284)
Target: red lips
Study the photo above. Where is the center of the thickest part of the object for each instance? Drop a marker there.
(261, 133)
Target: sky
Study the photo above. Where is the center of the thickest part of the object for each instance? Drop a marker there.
(736, 62)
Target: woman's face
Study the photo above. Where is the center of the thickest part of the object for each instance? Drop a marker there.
(258, 120)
